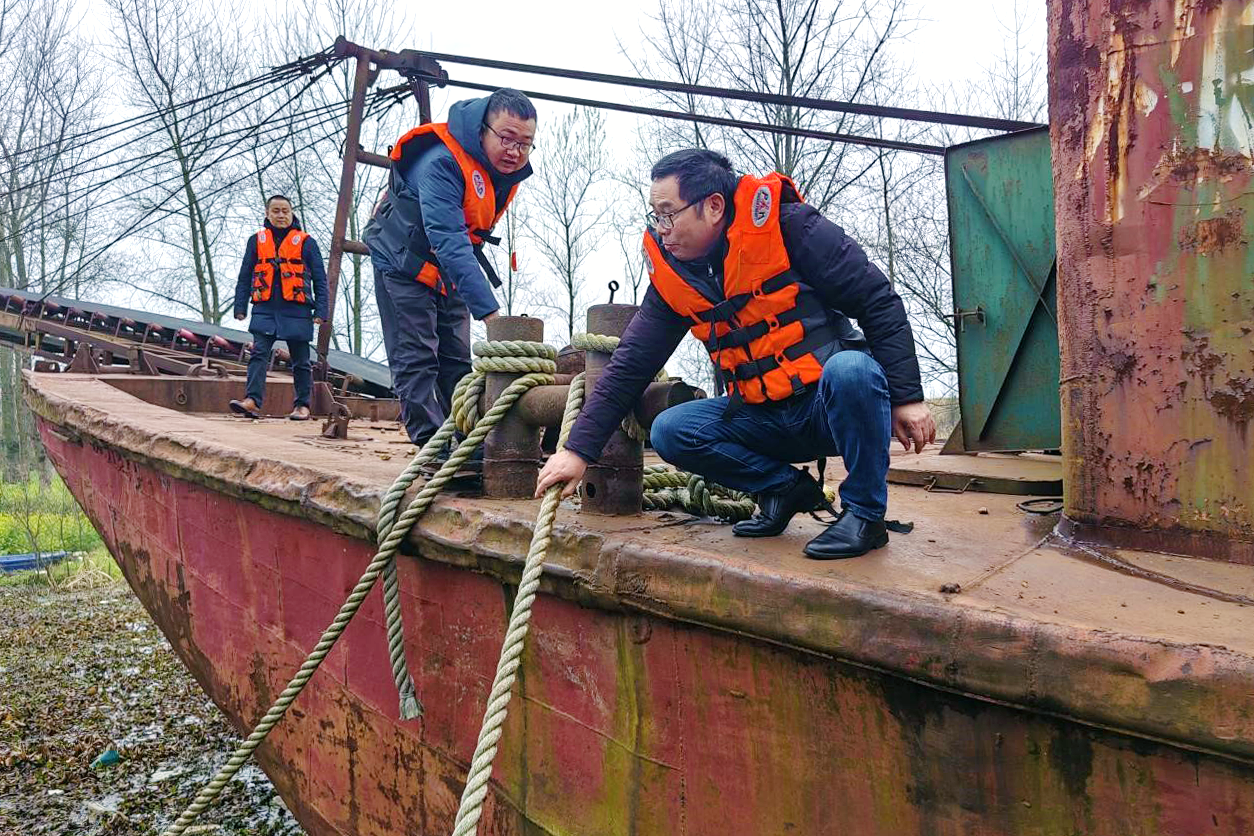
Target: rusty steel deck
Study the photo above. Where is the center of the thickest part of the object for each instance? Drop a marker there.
(677, 679)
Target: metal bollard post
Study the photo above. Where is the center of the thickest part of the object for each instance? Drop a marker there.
(614, 484)
(511, 451)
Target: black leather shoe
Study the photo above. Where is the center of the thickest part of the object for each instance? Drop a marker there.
(776, 510)
(849, 536)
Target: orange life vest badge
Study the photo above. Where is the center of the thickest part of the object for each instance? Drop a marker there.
(761, 206)
(480, 187)
(648, 261)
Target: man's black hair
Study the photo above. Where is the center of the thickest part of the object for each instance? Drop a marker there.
(275, 197)
(700, 173)
(508, 100)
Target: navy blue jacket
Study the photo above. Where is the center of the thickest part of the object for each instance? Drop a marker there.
(838, 270)
(435, 182)
(284, 319)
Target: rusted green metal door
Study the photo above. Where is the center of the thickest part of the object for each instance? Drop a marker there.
(1001, 225)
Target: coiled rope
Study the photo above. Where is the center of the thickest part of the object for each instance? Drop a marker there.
(665, 489)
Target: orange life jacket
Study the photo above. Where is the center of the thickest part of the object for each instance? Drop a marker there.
(478, 197)
(771, 333)
(286, 263)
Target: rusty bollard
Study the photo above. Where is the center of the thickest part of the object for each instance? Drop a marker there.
(615, 483)
(511, 451)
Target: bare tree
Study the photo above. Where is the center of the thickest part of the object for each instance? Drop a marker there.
(312, 177)
(569, 210)
(912, 233)
(679, 44)
(54, 94)
(169, 51)
(830, 49)
(1014, 83)
(517, 284)
(52, 90)
(630, 202)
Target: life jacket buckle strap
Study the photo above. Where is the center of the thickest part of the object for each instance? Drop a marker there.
(722, 312)
(488, 269)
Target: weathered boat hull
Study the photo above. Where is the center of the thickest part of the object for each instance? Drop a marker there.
(622, 722)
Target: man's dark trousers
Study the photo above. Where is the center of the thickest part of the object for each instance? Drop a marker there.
(259, 360)
(427, 337)
(847, 414)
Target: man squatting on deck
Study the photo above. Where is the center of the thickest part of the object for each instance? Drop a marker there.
(450, 183)
(284, 278)
(765, 282)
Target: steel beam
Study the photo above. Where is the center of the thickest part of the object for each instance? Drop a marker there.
(348, 174)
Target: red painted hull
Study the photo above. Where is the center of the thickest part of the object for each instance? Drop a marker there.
(621, 723)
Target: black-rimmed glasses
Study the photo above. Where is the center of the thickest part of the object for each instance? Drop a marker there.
(509, 143)
(666, 220)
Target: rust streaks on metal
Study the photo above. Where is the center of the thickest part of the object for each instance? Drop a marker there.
(1154, 174)
(615, 482)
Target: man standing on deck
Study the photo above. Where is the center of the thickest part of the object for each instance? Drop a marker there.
(766, 283)
(450, 183)
(284, 277)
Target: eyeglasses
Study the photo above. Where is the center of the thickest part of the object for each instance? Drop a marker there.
(666, 220)
(509, 143)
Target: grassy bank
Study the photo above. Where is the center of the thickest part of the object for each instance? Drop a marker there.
(41, 515)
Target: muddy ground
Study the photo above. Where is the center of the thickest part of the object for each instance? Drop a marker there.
(84, 673)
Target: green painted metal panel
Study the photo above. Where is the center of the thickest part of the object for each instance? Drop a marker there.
(1001, 225)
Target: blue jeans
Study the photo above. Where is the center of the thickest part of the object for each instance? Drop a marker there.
(259, 360)
(427, 338)
(847, 414)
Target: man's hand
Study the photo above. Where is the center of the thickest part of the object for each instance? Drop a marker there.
(317, 320)
(240, 316)
(490, 317)
(562, 467)
(913, 422)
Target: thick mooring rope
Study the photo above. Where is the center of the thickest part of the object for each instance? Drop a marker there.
(607, 345)
(538, 362)
(471, 807)
(665, 489)
(396, 532)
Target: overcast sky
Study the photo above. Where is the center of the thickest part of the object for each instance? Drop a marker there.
(951, 43)
(563, 33)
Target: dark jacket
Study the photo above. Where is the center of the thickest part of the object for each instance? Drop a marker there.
(839, 271)
(422, 212)
(284, 319)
